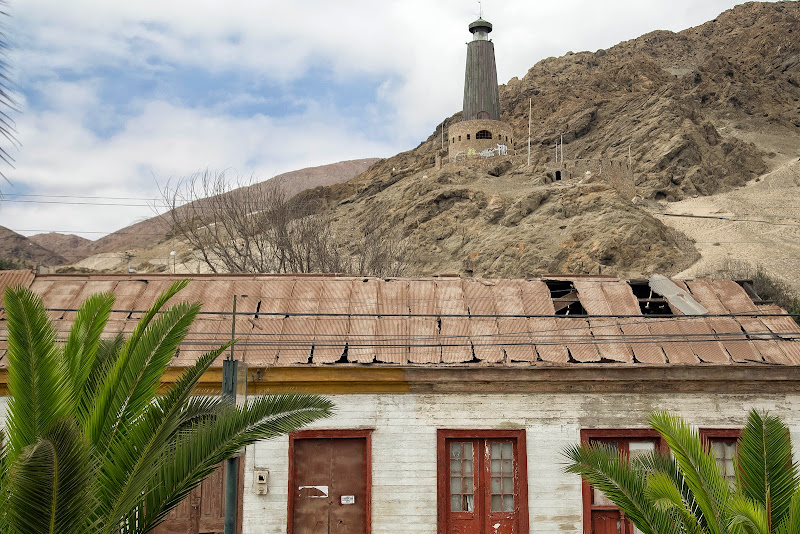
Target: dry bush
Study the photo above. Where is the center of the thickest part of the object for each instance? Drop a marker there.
(243, 226)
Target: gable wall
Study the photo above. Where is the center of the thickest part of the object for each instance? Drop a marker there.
(404, 447)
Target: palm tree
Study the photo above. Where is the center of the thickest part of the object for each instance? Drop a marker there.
(91, 445)
(686, 491)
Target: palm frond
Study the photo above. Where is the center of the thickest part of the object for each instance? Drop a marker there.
(791, 521)
(621, 482)
(699, 467)
(666, 495)
(37, 383)
(48, 483)
(105, 357)
(196, 454)
(767, 472)
(133, 455)
(135, 376)
(748, 516)
(84, 339)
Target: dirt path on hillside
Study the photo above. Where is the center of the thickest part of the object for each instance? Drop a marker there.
(758, 223)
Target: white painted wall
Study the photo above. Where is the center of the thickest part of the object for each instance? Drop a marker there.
(404, 448)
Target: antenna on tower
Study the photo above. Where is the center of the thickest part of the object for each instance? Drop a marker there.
(480, 10)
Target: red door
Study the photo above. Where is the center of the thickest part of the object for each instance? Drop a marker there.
(482, 483)
(329, 485)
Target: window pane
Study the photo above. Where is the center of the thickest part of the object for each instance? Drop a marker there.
(496, 450)
(469, 503)
(466, 485)
(508, 503)
(508, 485)
(495, 468)
(455, 503)
(507, 467)
(468, 450)
(496, 486)
(455, 467)
(497, 503)
(455, 450)
(455, 485)
(507, 450)
(467, 468)
(640, 447)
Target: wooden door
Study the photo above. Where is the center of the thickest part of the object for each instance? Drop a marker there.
(329, 486)
(483, 486)
(203, 511)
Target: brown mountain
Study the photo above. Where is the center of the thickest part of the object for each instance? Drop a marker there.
(695, 112)
(70, 246)
(18, 248)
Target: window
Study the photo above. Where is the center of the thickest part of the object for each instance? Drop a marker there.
(565, 297)
(601, 516)
(483, 115)
(483, 134)
(459, 138)
(482, 481)
(723, 443)
(468, 137)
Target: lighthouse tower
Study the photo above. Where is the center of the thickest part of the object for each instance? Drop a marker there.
(480, 133)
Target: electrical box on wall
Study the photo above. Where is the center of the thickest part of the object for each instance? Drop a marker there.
(261, 480)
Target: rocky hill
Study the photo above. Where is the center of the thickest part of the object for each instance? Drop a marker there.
(70, 246)
(18, 248)
(695, 111)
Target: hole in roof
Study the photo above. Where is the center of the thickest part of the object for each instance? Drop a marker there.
(565, 297)
(650, 302)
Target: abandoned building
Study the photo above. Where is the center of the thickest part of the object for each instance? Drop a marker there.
(456, 396)
(480, 132)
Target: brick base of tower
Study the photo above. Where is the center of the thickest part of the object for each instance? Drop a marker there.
(469, 138)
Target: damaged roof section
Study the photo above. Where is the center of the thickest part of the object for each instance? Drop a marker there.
(318, 320)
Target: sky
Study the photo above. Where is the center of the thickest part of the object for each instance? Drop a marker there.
(117, 97)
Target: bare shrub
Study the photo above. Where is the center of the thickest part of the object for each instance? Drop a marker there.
(240, 226)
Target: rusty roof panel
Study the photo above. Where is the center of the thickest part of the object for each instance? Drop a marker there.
(578, 336)
(364, 297)
(90, 288)
(791, 350)
(207, 333)
(733, 296)
(267, 332)
(536, 298)
(149, 295)
(770, 351)
(59, 297)
(621, 299)
(392, 340)
(450, 298)
(361, 340)
(548, 340)
(703, 292)
(18, 278)
(330, 333)
(297, 335)
(393, 297)
(734, 339)
(126, 292)
(479, 297)
(672, 340)
(642, 345)
(424, 344)
(454, 331)
(779, 323)
(607, 337)
(273, 295)
(697, 331)
(422, 297)
(514, 331)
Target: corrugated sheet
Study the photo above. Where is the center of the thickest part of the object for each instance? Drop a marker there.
(318, 320)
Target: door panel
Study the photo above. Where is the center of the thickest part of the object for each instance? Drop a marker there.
(606, 522)
(329, 486)
(483, 486)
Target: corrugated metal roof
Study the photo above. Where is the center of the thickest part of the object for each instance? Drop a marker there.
(328, 320)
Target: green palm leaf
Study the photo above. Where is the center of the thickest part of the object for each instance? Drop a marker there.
(791, 521)
(748, 516)
(48, 483)
(39, 390)
(196, 454)
(699, 467)
(622, 483)
(767, 472)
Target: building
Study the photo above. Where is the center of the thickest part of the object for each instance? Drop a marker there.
(455, 397)
(480, 132)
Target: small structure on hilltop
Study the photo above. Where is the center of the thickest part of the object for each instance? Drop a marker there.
(481, 133)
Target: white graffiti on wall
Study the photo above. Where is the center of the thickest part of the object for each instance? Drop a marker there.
(501, 150)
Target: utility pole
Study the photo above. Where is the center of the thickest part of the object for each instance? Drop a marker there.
(442, 135)
(530, 110)
(230, 372)
(562, 149)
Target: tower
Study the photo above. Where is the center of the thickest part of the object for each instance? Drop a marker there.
(481, 133)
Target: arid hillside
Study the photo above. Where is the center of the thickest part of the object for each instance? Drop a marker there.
(18, 248)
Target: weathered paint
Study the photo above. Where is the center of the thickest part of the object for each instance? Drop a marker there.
(404, 447)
